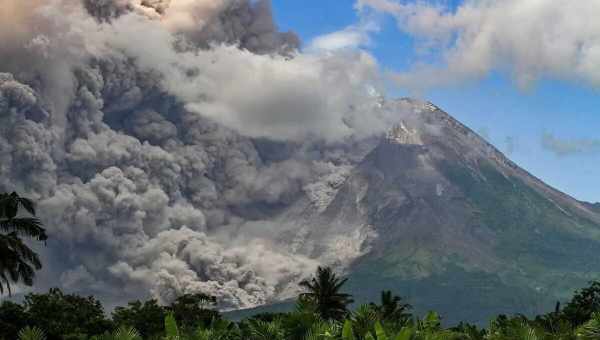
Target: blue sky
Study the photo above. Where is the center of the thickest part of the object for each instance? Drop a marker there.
(511, 118)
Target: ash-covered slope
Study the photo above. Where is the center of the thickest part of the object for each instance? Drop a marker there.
(459, 227)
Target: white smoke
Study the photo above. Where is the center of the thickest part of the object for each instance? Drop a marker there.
(529, 39)
(166, 141)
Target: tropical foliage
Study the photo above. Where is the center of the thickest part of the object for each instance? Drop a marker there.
(18, 262)
(322, 313)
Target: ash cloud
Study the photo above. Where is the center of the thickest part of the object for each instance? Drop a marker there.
(166, 144)
(249, 25)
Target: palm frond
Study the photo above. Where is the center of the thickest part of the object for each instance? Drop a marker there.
(26, 226)
(324, 330)
(126, 333)
(27, 204)
(32, 333)
(10, 204)
(262, 330)
(18, 262)
(591, 329)
(171, 329)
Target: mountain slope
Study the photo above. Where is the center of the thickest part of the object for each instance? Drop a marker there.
(460, 228)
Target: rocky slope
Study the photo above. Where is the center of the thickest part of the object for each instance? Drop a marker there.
(456, 226)
(440, 216)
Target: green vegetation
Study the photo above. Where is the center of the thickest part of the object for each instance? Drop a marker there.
(529, 227)
(457, 294)
(17, 261)
(504, 205)
(321, 313)
(555, 247)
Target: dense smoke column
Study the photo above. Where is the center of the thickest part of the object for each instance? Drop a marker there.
(141, 190)
(248, 24)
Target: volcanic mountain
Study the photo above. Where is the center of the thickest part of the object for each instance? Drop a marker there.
(453, 225)
(171, 153)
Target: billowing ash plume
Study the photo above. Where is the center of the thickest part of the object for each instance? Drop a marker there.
(248, 25)
(167, 141)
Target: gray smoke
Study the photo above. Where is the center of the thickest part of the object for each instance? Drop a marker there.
(248, 25)
(166, 141)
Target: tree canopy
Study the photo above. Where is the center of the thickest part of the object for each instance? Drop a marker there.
(56, 315)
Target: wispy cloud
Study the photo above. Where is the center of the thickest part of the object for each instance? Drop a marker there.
(511, 144)
(349, 38)
(567, 147)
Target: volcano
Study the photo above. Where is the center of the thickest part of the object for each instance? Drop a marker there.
(453, 225)
(197, 149)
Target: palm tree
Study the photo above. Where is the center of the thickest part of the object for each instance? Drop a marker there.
(17, 261)
(324, 294)
(363, 320)
(392, 308)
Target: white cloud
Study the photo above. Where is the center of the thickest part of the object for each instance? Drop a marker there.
(529, 39)
(351, 37)
(347, 38)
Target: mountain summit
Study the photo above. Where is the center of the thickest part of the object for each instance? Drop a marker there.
(457, 227)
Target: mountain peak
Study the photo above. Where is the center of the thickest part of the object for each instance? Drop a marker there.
(457, 220)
